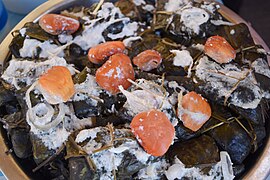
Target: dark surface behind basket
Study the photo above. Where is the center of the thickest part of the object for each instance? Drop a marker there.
(255, 12)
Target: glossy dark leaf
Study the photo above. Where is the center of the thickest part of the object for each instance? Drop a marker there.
(79, 169)
(15, 45)
(40, 151)
(87, 108)
(196, 151)
(233, 139)
(33, 30)
(241, 37)
(19, 139)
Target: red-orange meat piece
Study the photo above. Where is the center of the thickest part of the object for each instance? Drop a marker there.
(56, 24)
(99, 53)
(148, 60)
(219, 49)
(115, 72)
(57, 83)
(196, 111)
(153, 131)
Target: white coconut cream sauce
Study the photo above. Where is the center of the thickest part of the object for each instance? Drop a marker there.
(22, 73)
(92, 35)
(193, 17)
(223, 79)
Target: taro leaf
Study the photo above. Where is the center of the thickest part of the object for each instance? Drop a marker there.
(221, 111)
(263, 81)
(253, 115)
(126, 7)
(187, 83)
(112, 119)
(33, 30)
(71, 148)
(220, 114)
(10, 108)
(35, 99)
(238, 169)
(176, 28)
(78, 9)
(167, 67)
(233, 139)
(78, 166)
(15, 45)
(124, 114)
(146, 75)
(161, 4)
(21, 143)
(77, 56)
(79, 169)
(111, 102)
(253, 54)
(182, 133)
(6, 96)
(261, 76)
(40, 151)
(75, 50)
(15, 120)
(149, 42)
(87, 108)
(136, 13)
(241, 37)
(80, 77)
(260, 132)
(197, 151)
(152, 41)
(114, 28)
(129, 166)
(59, 170)
(161, 19)
(163, 48)
(80, 62)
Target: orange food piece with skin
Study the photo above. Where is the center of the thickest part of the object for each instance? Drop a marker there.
(56, 85)
(115, 72)
(154, 131)
(56, 24)
(219, 49)
(196, 111)
(148, 60)
(99, 53)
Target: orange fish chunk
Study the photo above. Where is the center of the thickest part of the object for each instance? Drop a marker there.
(56, 24)
(154, 131)
(196, 111)
(219, 49)
(115, 72)
(148, 60)
(99, 53)
(56, 85)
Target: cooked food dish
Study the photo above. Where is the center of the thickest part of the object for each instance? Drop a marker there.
(136, 89)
